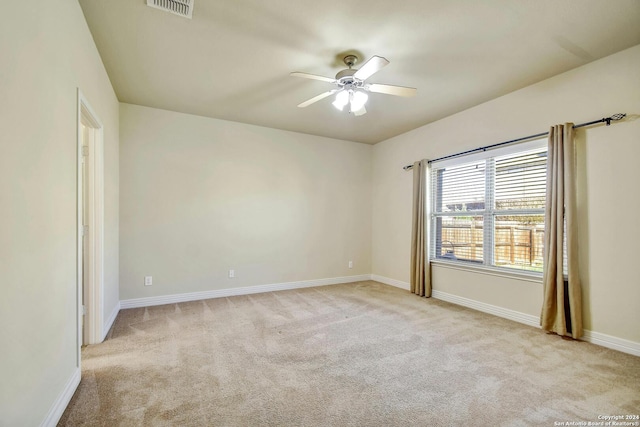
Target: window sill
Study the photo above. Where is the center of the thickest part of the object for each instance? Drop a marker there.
(528, 276)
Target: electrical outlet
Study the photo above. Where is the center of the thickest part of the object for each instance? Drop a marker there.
(148, 280)
(232, 274)
(350, 264)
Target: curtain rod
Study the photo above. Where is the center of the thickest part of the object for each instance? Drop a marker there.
(607, 120)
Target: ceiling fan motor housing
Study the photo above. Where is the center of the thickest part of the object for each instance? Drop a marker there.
(345, 79)
(346, 73)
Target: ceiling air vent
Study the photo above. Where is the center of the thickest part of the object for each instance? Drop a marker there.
(178, 7)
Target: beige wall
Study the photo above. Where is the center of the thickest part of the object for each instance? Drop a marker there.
(607, 199)
(46, 53)
(200, 196)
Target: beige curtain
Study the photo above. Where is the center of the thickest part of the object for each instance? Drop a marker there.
(562, 304)
(420, 268)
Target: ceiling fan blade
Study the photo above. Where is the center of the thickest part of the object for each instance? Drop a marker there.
(360, 112)
(316, 99)
(312, 76)
(392, 90)
(372, 66)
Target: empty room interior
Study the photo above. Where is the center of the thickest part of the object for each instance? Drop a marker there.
(356, 213)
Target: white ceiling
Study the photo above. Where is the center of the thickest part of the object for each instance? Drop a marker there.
(232, 60)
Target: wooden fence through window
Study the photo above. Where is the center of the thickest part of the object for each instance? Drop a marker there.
(516, 243)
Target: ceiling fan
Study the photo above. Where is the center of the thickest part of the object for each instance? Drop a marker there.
(351, 85)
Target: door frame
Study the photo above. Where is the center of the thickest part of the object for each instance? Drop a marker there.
(94, 317)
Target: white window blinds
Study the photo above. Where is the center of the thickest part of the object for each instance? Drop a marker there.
(490, 211)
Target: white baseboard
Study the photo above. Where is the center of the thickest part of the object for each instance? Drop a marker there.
(220, 293)
(466, 302)
(392, 282)
(109, 323)
(56, 411)
(611, 342)
(506, 313)
(597, 338)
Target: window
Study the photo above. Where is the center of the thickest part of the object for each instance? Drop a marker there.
(489, 209)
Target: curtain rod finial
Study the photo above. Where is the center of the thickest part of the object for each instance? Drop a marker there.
(615, 117)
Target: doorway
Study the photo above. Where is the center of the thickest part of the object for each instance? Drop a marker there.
(90, 220)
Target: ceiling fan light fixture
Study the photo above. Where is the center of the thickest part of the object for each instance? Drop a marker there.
(358, 99)
(342, 99)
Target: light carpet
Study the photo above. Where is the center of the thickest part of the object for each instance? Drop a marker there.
(358, 354)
